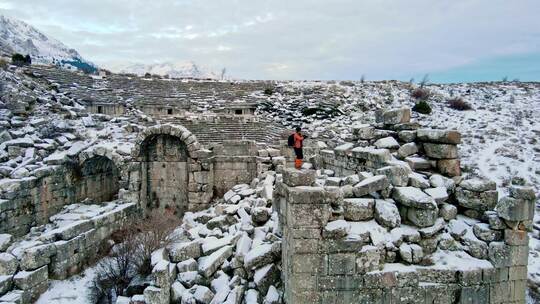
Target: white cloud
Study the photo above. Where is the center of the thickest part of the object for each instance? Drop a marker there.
(298, 39)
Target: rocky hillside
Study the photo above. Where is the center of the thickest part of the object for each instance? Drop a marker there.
(19, 37)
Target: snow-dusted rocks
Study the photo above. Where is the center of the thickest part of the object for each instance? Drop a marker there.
(222, 261)
(8, 264)
(368, 259)
(184, 251)
(209, 264)
(369, 185)
(439, 136)
(439, 194)
(396, 116)
(448, 211)
(265, 277)
(294, 177)
(387, 143)
(261, 255)
(260, 215)
(412, 253)
(5, 241)
(413, 197)
(519, 206)
(440, 151)
(358, 209)
(387, 213)
(407, 149)
(477, 195)
(336, 230)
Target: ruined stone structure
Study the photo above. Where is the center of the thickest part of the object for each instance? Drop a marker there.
(383, 240)
(382, 217)
(326, 261)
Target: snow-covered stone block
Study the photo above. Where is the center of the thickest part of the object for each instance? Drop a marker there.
(372, 184)
(336, 229)
(358, 209)
(387, 213)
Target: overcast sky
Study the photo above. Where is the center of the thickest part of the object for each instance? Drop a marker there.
(452, 40)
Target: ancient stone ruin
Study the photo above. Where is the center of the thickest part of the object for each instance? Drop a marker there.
(383, 217)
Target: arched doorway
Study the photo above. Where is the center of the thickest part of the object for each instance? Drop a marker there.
(164, 169)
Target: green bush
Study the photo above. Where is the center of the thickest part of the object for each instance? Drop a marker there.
(422, 107)
(3, 64)
(268, 91)
(20, 60)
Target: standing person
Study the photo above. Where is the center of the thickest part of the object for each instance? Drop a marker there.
(298, 145)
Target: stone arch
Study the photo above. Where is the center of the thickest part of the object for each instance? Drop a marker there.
(168, 161)
(97, 178)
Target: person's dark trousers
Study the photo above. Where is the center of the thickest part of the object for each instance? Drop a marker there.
(299, 157)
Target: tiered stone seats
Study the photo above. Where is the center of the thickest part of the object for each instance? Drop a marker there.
(216, 129)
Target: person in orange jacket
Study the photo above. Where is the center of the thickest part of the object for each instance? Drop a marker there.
(298, 144)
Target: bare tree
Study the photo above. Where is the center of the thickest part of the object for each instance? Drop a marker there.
(223, 71)
(425, 80)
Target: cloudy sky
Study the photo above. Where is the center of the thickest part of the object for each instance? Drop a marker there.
(451, 40)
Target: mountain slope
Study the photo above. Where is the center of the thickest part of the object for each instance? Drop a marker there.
(174, 70)
(19, 37)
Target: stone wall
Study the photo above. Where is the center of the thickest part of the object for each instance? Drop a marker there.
(62, 248)
(106, 108)
(234, 162)
(30, 201)
(97, 180)
(324, 263)
(395, 136)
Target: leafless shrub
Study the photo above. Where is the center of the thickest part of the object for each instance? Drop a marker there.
(420, 94)
(114, 273)
(151, 234)
(459, 104)
(131, 256)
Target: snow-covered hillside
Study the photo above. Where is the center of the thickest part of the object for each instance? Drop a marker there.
(174, 70)
(19, 37)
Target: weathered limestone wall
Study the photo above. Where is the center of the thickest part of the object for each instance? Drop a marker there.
(175, 108)
(64, 247)
(106, 108)
(234, 162)
(30, 201)
(97, 180)
(420, 149)
(165, 173)
(320, 266)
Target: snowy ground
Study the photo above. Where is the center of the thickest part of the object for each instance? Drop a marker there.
(500, 142)
(500, 136)
(71, 291)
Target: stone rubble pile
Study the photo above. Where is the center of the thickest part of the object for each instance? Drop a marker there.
(58, 249)
(230, 253)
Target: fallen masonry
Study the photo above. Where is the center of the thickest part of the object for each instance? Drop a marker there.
(381, 215)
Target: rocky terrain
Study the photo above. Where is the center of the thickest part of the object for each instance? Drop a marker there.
(231, 251)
